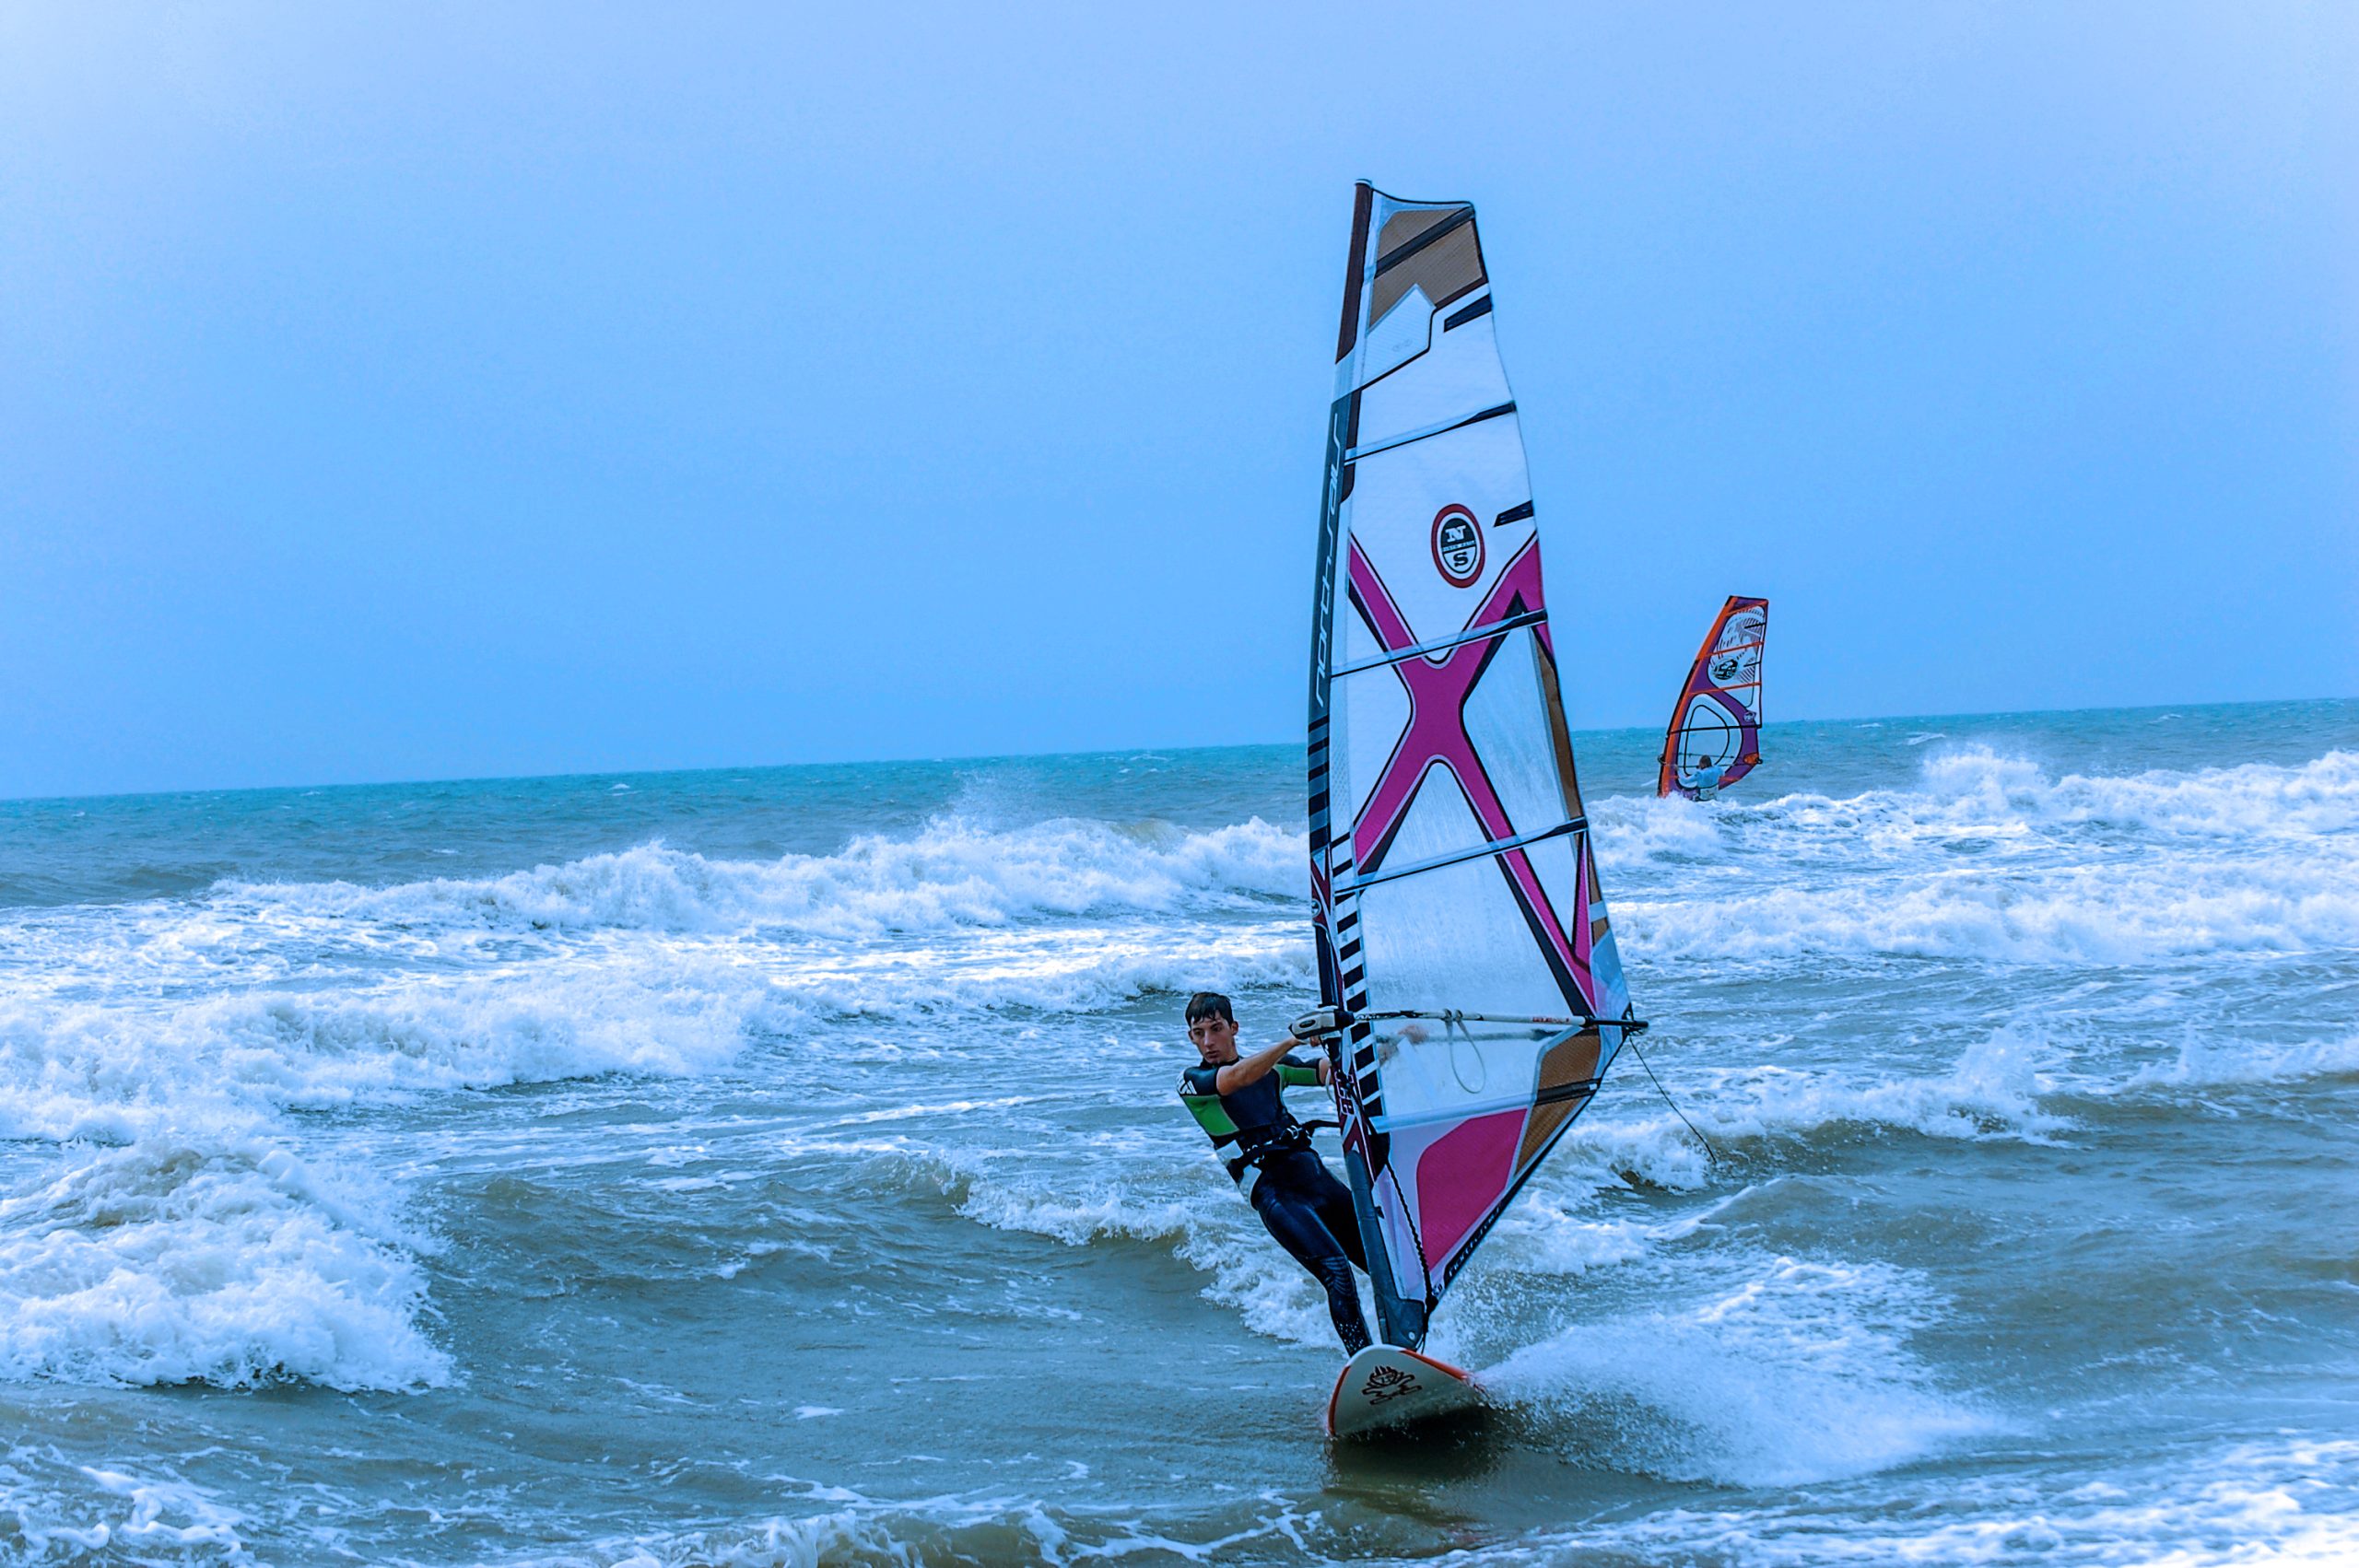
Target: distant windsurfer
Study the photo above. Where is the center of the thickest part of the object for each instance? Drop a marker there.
(1705, 779)
(1237, 1100)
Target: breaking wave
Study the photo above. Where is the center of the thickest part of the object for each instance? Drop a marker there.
(116, 1072)
(1797, 1372)
(2210, 1063)
(233, 1264)
(951, 875)
(1992, 859)
(1992, 1091)
(176, 1237)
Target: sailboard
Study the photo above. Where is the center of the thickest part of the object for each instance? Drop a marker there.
(1386, 1387)
(1461, 927)
(1715, 734)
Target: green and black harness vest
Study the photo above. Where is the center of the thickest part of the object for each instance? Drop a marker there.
(1252, 1122)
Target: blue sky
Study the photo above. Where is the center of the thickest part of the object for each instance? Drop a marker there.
(418, 391)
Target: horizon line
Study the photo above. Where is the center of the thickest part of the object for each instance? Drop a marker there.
(1017, 756)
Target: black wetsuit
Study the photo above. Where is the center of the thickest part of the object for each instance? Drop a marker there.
(1268, 1153)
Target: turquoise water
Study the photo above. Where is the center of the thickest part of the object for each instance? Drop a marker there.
(781, 1165)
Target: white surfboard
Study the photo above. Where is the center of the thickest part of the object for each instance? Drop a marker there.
(1385, 1386)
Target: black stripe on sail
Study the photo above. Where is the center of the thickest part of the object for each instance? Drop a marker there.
(1460, 316)
(1513, 514)
(1565, 979)
(1409, 248)
(1579, 1089)
(1353, 455)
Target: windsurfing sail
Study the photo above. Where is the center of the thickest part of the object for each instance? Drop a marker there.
(1459, 916)
(1715, 734)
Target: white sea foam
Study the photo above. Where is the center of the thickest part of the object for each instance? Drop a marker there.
(2282, 1502)
(951, 875)
(1977, 790)
(1993, 1091)
(993, 1528)
(2211, 1061)
(198, 1247)
(2253, 800)
(1991, 859)
(1061, 969)
(57, 1511)
(1797, 1372)
(112, 1072)
(2080, 915)
(169, 1262)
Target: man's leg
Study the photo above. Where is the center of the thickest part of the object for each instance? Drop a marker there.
(1341, 1220)
(1292, 1217)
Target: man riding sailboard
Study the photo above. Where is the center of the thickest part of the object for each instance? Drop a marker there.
(1239, 1101)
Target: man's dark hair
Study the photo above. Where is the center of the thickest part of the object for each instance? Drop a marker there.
(1209, 1004)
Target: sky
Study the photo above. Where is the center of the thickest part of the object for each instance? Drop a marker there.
(412, 392)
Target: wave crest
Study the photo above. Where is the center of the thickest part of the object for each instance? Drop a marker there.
(951, 874)
(1991, 859)
(234, 1265)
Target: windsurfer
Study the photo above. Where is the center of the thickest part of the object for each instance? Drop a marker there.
(1238, 1100)
(1705, 780)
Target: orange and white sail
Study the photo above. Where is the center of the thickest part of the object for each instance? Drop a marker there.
(1715, 734)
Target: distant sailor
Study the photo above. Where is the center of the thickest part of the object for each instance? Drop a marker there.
(1236, 1101)
(1705, 779)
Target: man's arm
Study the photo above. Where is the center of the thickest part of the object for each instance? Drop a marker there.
(1252, 1069)
(1294, 1075)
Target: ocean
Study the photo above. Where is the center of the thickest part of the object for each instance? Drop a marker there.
(781, 1165)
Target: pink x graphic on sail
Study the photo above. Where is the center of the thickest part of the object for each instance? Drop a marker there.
(1436, 735)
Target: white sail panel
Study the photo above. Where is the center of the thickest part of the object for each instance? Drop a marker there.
(1515, 750)
(1398, 505)
(1461, 376)
(1416, 960)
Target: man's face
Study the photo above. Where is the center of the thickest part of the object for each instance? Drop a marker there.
(1215, 1039)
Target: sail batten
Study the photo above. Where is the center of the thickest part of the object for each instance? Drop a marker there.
(1443, 428)
(1496, 628)
(1456, 857)
(1459, 914)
